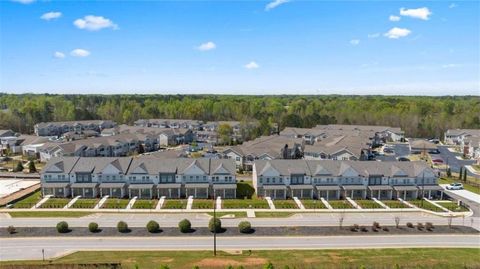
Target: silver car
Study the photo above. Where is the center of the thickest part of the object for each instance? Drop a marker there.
(455, 186)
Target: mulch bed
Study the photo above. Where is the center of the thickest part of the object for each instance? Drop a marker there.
(233, 231)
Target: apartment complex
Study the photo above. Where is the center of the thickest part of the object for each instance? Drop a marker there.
(331, 179)
(144, 177)
(59, 128)
(457, 136)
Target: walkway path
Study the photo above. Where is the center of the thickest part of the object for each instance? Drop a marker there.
(189, 202)
(160, 203)
(40, 203)
(218, 203)
(131, 203)
(270, 202)
(71, 202)
(299, 203)
(101, 202)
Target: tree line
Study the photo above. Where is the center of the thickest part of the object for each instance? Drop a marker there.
(417, 116)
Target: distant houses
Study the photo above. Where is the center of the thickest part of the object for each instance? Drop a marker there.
(60, 128)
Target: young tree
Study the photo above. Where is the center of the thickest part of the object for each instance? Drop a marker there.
(460, 173)
(449, 172)
(465, 175)
(19, 167)
(31, 167)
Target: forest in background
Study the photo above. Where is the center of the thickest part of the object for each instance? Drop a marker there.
(423, 116)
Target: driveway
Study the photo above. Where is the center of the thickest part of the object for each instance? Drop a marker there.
(400, 150)
(450, 158)
(31, 248)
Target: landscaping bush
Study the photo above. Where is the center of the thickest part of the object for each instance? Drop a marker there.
(62, 227)
(429, 226)
(354, 228)
(215, 225)
(122, 227)
(245, 227)
(376, 225)
(93, 227)
(11, 229)
(409, 225)
(185, 226)
(419, 225)
(363, 229)
(386, 229)
(153, 227)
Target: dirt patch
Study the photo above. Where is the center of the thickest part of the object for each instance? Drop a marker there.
(223, 262)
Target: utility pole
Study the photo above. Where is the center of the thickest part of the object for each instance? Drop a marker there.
(214, 225)
(423, 186)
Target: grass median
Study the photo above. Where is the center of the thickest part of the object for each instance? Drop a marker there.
(285, 204)
(55, 203)
(115, 203)
(244, 204)
(425, 205)
(352, 258)
(28, 201)
(49, 214)
(395, 204)
(340, 204)
(368, 204)
(174, 204)
(145, 204)
(313, 204)
(85, 203)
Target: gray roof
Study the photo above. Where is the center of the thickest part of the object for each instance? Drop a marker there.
(337, 167)
(270, 145)
(60, 165)
(457, 132)
(97, 164)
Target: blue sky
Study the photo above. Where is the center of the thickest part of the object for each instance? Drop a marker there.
(240, 47)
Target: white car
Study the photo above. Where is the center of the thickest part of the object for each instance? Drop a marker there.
(455, 186)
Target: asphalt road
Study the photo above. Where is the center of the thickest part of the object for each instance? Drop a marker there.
(201, 220)
(31, 248)
(450, 158)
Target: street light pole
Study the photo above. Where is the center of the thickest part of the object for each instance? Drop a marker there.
(423, 186)
(214, 225)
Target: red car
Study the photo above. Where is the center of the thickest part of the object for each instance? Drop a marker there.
(437, 160)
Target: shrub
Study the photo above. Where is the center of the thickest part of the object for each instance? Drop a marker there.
(409, 225)
(245, 227)
(19, 167)
(376, 225)
(215, 225)
(93, 227)
(363, 229)
(62, 227)
(11, 229)
(269, 265)
(419, 225)
(385, 229)
(353, 228)
(429, 226)
(122, 226)
(164, 267)
(185, 226)
(356, 226)
(31, 167)
(153, 227)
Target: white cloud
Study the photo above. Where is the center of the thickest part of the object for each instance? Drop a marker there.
(374, 35)
(252, 65)
(24, 1)
(396, 33)
(422, 13)
(452, 5)
(51, 15)
(59, 55)
(80, 53)
(275, 4)
(207, 46)
(94, 23)
(450, 65)
(394, 18)
(355, 42)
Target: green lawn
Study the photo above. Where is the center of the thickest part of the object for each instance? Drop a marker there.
(340, 204)
(368, 204)
(425, 205)
(145, 204)
(49, 214)
(55, 203)
(115, 203)
(28, 201)
(466, 185)
(453, 206)
(85, 203)
(352, 258)
(395, 204)
(273, 214)
(237, 214)
(285, 204)
(174, 204)
(313, 204)
(246, 203)
(202, 204)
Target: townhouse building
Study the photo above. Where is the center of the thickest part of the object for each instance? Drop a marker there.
(335, 179)
(169, 123)
(59, 128)
(145, 177)
(457, 136)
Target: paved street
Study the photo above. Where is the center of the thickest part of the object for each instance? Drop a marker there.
(31, 248)
(450, 158)
(201, 220)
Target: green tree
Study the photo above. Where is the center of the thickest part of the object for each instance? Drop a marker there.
(449, 172)
(460, 173)
(19, 167)
(225, 133)
(31, 167)
(268, 265)
(465, 175)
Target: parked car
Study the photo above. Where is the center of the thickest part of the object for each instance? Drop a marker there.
(455, 186)
(437, 161)
(388, 150)
(403, 159)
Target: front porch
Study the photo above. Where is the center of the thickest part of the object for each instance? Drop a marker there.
(301, 191)
(406, 192)
(433, 192)
(381, 192)
(355, 191)
(226, 191)
(169, 190)
(86, 190)
(198, 190)
(113, 190)
(56, 189)
(275, 191)
(326, 192)
(141, 191)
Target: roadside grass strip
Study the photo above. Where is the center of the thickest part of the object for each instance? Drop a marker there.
(368, 204)
(394, 204)
(453, 206)
(426, 205)
(285, 204)
(236, 214)
(340, 204)
(145, 204)
(203, 204)
(313, 204)
(114, 203)
(28, 201)
(246, 203)
(55, 203)
(85, 203)
(49, 214)
(174, 204)
(262, 214)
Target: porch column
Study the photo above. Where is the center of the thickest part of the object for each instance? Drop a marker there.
(351, 194)
(379, 195)
(234, 193)
(441, 195)
(207, 192)
(129, 193)
(301, 193)
(364, 193)
(429, 194)
(327, 194)
(195, 192)
(223, 193)
(83, 192)
(404, 195)
(391, 194)
(178, 191)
